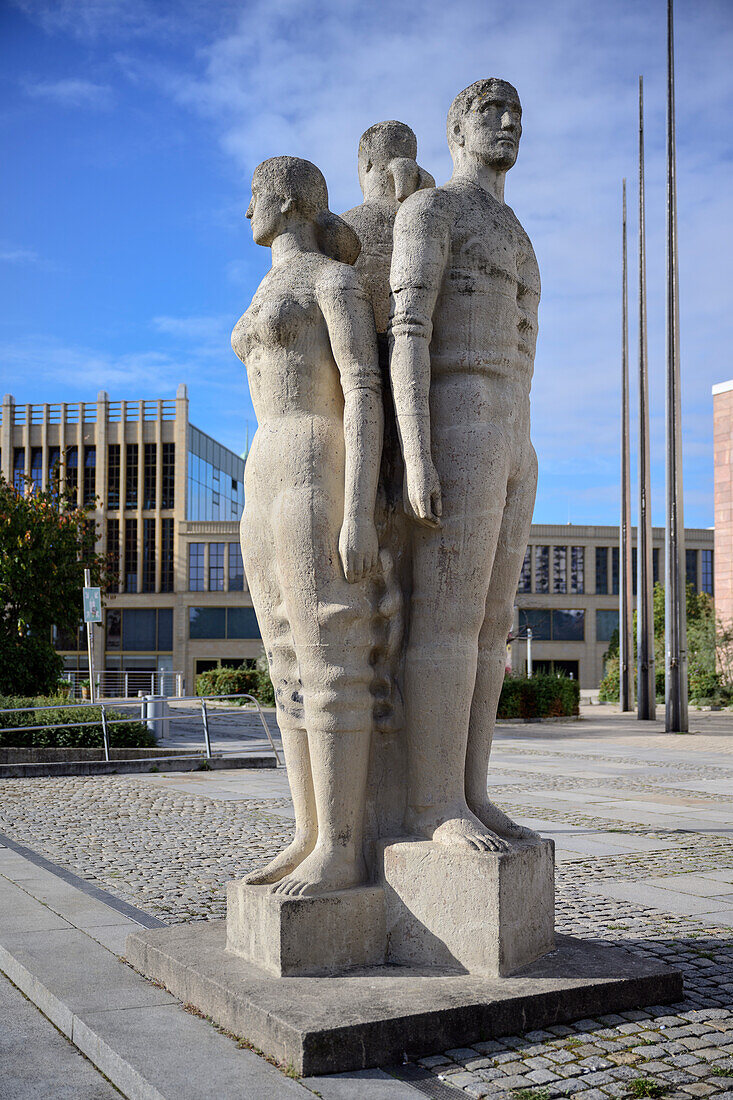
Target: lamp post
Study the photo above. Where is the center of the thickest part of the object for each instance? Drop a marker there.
(675, 611)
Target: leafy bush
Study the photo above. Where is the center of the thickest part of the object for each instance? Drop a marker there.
(28, 664)
(125, 735)
(238, 681)
(541, 697)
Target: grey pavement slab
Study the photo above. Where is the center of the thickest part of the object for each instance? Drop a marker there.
(36, 1061)
(372, 1083)
(668, 901)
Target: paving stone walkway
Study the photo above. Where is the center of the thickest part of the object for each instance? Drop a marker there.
(642, 826)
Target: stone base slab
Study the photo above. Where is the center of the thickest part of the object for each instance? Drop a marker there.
(372, 1017)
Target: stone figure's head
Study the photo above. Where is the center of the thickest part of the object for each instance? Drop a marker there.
(388, 165)
(287, 190)
(485, 124)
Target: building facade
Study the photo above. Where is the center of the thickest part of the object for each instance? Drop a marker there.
(568, 594)
(167, 502)
(168, 499)
(723, 499)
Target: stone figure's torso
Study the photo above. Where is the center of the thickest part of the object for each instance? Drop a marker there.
(373, 223)
(293, 379)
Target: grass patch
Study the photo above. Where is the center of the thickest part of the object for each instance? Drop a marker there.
(721, 1071)
(573, 1041)
(531, 1094)
(647, 1086)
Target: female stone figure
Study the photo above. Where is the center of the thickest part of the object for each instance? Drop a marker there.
(309, 541)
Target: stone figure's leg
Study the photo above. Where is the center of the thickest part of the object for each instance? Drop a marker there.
(451, 571)
(330, 621)
(259, 562)
(492, 649)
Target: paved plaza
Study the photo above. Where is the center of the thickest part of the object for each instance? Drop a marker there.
(642, 826)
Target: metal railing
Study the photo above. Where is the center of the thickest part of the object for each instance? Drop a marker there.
(151, 721)
(114, 683)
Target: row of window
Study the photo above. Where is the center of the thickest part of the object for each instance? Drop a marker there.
(561, 569)
(553, 625)
(198, 569)
(70, 472)
(145, 629)
(127, 557)
(212, 493)
(222, 622)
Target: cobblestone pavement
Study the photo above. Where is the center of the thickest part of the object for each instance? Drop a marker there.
(642, 826)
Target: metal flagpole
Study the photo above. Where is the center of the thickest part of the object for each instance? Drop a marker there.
(646, 679)
(675, 610)
(626, 653)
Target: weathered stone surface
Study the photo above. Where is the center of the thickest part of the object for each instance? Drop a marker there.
(373, 1016)
(311, 935)
(484, 912)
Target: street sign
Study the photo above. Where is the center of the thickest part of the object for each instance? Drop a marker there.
(92, 605)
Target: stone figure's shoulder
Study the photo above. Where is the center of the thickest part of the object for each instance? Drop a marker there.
(434, 204)
(372, 222)
(333, 278)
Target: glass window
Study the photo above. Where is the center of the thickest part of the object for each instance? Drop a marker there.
(72, 469)
(19, 469)
(207, 622)
(542, 568)
(113, 475)
(169, 475)
(90, 474)
(131, 475)
(614, 570)
(525, 577)
(149, 474)
(707, 571)
(37, 469)
(165, 628)
(138, 628)
(537, 620)
(242, 623)
(601, 570)
(130, 555)
(691, 568)
(577, 569)
(216, 567)
(166, 556)
(196, 566)
(655, 565)
(568, 626)
(559, 569)
(148, 555)
(113, 552)
(114, 629)
(606, 623)
(236, 568)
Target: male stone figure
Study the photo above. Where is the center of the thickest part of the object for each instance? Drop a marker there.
(466, 287)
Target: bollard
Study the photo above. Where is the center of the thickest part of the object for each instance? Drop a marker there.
(205, 719)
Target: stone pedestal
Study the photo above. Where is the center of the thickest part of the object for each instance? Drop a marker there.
(478, 912)
(297, 936)
(432, 906)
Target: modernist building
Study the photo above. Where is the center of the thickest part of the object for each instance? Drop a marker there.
(168, 501)
(568, 594)
(723, 458)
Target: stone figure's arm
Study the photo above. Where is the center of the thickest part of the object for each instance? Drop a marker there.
(350, 320)
(419, 256)
(528, 299)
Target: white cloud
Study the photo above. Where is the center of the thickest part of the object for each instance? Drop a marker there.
(72, 92)
(12, 255)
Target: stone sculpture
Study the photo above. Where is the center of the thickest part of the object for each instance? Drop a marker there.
(465, 287)
(308, 535)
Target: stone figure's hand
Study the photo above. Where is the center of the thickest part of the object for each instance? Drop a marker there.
(422, 493)
(358, 548)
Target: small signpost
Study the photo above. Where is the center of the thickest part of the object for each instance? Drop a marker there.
(92, 614)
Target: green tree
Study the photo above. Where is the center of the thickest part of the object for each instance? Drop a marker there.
(708, 650)
(46, 542)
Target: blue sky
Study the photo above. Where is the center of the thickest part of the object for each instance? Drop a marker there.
(130, 131)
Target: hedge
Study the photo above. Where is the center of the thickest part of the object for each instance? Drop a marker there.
(541, 697)
(238, 681)
(126, 735)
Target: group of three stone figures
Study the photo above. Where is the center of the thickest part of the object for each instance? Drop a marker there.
(390, 485)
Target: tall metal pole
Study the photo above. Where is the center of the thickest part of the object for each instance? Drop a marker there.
(90, 641)
(646, 678)
(626, 652)
(675, 611)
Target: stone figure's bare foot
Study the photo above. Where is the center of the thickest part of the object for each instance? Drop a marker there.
(456, 827)
(501, 824)
(283, 863)
(322, 872)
